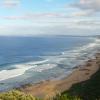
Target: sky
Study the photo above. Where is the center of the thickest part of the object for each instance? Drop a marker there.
(49, 17)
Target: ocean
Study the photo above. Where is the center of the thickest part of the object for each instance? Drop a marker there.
(25, 60)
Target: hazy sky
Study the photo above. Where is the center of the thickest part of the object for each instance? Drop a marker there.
(36, 17)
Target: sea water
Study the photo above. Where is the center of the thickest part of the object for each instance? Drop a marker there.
(25, 60)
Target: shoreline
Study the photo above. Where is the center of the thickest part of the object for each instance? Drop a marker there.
(49, 88)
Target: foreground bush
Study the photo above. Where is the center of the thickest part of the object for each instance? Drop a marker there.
(16, 95)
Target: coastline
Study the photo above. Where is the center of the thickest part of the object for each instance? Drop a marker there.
(50, 88)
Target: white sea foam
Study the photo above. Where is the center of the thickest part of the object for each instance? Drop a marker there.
(37, 62)
(76, 54)
(88, 46)
(63, 53)
(20, 69)
(44, 67)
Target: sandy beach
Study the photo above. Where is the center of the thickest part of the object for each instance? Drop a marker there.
(50, 88)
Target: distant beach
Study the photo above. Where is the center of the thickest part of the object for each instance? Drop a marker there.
(50, 88)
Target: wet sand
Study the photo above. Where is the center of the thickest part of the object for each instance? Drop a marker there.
(50, 88)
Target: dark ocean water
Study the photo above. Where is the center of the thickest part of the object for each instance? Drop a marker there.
(32, 59)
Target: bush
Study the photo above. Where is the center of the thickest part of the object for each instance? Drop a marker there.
(16, 95)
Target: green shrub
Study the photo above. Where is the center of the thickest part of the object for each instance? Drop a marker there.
(16, 95)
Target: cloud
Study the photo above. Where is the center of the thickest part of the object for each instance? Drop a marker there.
(72, 27)
(89, 4)
(51, 26)
(88, 7)
(82, 13)
(10, 3)
(32, 16)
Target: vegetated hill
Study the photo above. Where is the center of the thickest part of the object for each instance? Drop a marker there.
(87, 90)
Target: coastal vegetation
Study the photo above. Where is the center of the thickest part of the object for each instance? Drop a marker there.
(17, 95)
(87, 90)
